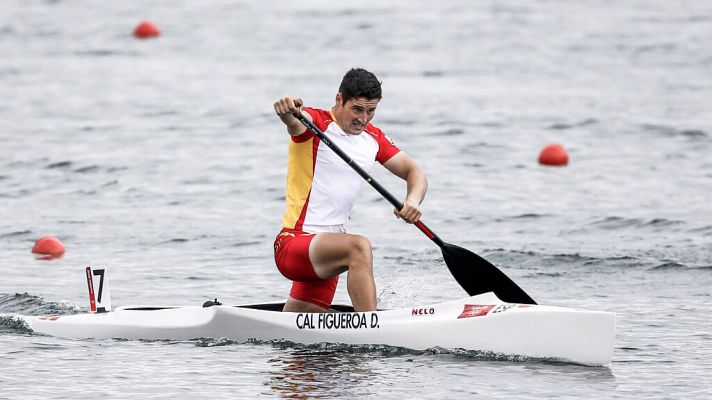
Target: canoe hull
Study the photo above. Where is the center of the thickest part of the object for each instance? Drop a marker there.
(481, 323)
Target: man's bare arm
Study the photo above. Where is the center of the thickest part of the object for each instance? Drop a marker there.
(403, 166)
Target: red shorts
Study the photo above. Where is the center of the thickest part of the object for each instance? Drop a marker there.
(291, 254)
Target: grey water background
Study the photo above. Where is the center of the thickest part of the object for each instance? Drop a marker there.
(162, 160)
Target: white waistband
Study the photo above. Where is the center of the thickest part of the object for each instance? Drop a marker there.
(324, 228)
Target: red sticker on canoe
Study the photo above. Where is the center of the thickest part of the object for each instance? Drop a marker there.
(475, 310)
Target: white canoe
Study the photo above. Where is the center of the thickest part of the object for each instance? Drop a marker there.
(480, 323)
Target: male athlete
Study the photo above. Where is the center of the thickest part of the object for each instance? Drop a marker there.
(313, 247)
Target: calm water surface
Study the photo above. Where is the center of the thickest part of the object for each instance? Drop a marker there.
(162, 160)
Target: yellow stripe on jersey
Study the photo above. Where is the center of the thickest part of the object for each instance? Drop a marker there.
(300, 175)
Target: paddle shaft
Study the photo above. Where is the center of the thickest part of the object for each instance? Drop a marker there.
(475, 274)
(366, 176)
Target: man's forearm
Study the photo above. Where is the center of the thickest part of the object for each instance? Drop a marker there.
(417, 185)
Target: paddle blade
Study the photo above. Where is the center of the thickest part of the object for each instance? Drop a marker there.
(476, 275)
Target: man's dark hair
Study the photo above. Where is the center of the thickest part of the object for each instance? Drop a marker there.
(359, 83)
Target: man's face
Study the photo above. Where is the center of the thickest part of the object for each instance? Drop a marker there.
(355, 114)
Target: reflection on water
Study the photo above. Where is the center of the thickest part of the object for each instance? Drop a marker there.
(337, 370)
(306, 373)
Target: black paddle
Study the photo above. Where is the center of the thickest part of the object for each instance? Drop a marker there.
(475, 274)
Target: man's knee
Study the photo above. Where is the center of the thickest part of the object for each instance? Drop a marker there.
(361, 250)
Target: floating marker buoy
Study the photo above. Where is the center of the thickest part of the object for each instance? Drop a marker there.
(49, 245)
(145, 30)
(554, 154)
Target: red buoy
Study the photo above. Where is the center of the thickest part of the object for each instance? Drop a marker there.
(49, 245)
(554, 154)
(146, 29)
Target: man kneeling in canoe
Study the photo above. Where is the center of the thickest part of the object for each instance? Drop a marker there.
(313, 247)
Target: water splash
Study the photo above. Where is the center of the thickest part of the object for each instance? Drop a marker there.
(27, 304)
(12, 324)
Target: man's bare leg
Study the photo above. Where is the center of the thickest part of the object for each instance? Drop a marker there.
(294, 305)
(334, 253)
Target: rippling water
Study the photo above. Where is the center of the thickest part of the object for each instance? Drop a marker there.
(162, 160)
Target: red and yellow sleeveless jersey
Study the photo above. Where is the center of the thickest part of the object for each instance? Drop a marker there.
(321, 187)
